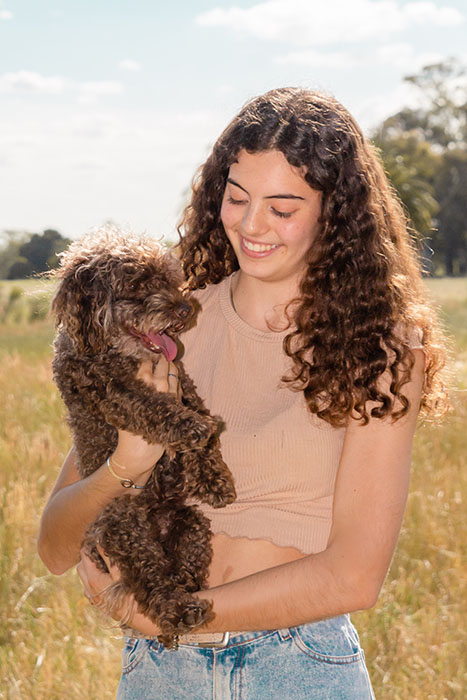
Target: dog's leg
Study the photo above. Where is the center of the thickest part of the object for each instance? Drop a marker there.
(208, 477)
(189, 393)
(180, 612)
(150, 544)
(189, 548)
(157, 417)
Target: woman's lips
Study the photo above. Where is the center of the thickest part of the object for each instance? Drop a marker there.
(263, 250)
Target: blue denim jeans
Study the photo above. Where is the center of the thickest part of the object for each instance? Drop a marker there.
(317, 661)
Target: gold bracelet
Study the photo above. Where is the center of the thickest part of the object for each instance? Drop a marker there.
(116, 464)
(126, 483)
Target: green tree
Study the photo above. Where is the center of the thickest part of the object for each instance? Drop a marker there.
(20, 269)
(10, 243)
(36, 254)
(451, 192)
(412, 165)
(443, 118)
(424, 153)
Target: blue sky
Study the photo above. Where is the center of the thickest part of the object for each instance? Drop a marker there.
(108, 107)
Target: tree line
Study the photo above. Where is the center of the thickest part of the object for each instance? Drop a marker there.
(424, 152)
(24, 254)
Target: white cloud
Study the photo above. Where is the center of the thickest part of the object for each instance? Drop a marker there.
(311, 22)
(404, 56)
(423, 12)
(103, 87)
(97, 163)
(25, 81)
(29, 81)
(400, 55)
(372, 110)
(90, 92)
(225, 89)
(6, 14)
(129, 64)
(90, 164)
(94, 126)
(317, 59)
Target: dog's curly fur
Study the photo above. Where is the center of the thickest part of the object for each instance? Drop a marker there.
(116, 292)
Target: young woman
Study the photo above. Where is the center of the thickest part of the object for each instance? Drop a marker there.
(317, 348)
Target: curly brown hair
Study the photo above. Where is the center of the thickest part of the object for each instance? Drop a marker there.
(362, 294)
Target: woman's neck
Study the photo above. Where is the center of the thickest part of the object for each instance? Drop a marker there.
(262, 304)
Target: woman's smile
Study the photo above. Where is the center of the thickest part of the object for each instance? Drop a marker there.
(257, 250)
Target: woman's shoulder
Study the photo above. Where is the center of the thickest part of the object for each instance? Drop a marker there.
(410, 333)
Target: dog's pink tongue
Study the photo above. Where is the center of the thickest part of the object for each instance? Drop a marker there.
(166, 344)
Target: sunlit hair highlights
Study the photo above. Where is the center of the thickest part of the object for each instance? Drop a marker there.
(362, 294)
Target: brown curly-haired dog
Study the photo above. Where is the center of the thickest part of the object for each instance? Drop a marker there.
(119, 302)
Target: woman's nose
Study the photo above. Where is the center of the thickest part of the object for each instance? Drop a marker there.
(254, 222)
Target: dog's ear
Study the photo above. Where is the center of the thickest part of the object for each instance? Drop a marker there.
(83, 306)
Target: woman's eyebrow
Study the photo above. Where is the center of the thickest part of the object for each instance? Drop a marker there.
(271, 196)
(232, 182)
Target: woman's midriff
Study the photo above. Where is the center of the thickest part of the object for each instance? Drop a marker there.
(236, 557)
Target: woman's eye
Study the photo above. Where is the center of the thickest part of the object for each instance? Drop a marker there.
(231, 200)
(282, 214)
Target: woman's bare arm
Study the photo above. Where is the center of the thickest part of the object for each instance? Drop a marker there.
(68, 512)
(75, 503)
(369, 503)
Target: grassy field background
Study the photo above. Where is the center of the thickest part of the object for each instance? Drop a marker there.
(53, 645)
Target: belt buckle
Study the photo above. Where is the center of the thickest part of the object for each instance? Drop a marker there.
(218, 645)
(195, 640)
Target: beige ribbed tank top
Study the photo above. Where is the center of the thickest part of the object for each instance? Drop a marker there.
(284, 460)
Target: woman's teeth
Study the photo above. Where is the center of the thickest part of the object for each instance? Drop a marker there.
(258, 247)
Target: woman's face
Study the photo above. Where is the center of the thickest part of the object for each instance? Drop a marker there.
(270, 215)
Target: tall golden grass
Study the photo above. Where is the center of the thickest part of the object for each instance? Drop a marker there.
(54, 645)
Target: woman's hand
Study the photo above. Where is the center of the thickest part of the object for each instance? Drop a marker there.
(96, 583)
(133, 457)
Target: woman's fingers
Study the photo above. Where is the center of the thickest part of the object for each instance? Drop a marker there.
(113, 569)
(172, 377)
(95, 582)
(132, 449)
(145, 372)
(163, 376)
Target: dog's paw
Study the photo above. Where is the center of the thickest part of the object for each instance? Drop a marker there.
(203, 429)
(194, 613)
(217, 492)
(182, 617)
(193, 432)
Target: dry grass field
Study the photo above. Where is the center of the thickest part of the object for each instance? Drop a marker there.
(53, 645)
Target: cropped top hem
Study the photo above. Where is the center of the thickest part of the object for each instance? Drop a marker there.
(273, 527)
(263, 538)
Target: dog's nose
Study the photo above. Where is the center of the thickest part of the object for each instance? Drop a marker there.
(182, 311)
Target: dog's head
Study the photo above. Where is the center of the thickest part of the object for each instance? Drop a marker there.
(121, 291)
